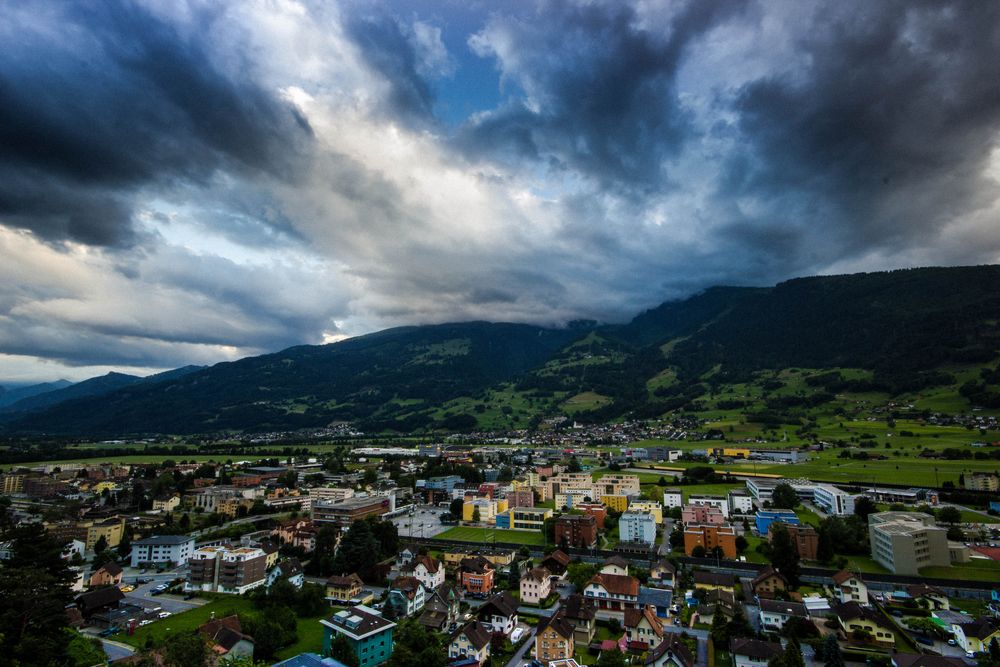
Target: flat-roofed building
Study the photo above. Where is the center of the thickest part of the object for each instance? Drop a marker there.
(711, 501)
(332, 494)
(832, 500)
(226, 569)
(346, 512)
(709, 537)
(702, 514)
(982, 481)
(174, 549)
(637, 527)
(672, 498)
(904, 542)
(618, 485)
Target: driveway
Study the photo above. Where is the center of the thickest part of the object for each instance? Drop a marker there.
(528, 643)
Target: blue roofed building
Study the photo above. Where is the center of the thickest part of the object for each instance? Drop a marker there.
(766, 517)
(658, 598)
(369, 634)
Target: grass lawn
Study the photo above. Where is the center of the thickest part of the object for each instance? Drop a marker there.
(751, 553)
(310, 637)
(865, 564)
(806, 515)
(979, 569)
(485, 535)
(187, 621)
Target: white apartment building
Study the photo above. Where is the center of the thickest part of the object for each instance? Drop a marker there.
(637, 527)
(672, 498)
(162, 549)
(832, 500)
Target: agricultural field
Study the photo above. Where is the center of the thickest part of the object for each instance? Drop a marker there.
(486, 535)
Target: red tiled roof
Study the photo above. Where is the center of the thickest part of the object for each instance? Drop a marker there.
(617, 584)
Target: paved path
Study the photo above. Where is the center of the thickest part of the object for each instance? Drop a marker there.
(519, 655)
(116, 650)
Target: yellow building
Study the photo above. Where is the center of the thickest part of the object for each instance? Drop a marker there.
(344, 588)
(651, 506)
(101, 487)
(110, 529)
(500, 558)
(554, 639)
(529, 518)
(734, 452)
(13, 483)
(487, 509)
(982, 481)
(167, 505)
(617, 503)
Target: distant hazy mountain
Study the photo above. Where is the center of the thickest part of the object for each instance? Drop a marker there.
(11, 395)
(902, 327)
(93, 387)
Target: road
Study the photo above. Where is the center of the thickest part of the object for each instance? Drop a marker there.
(142, 595)
(519, 658)
(116, 650)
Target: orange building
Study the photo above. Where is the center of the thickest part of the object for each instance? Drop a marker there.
(710, 537)
(476, 575)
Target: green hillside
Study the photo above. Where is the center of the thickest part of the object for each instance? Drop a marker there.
(758, 361)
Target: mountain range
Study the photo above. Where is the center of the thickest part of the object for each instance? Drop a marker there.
(903, 331)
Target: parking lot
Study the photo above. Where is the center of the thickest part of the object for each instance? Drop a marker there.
(424, 521)
(143, 596)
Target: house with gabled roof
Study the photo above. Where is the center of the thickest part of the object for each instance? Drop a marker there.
(775, 613)
(226, 638)
(857, 621)
(109, 574)
(753, 652)
(671, 652)
(499, 613)
(613, 592)
(443, 608)
(343, 588)
(581, 613)
(768, 583)
(975, 636)
(642, 628)
(849, 587)
(407, 596)
(556, 562)
(429, 571)
(935, 598)
(535, 586)
(663, 573)
(554, 638)
(472, 641)
(615, 565)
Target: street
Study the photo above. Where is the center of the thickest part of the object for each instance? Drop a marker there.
(116, 650)
(525, 647)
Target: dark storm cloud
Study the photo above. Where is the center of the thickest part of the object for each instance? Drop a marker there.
(390, 51)
(603, 99)
(120, 101)
(883, 138)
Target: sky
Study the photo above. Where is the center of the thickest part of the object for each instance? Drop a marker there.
(195, 182)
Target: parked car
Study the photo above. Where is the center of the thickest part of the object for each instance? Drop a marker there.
(164, 614)
(515, 636)
(952, 642)
(924, 640)
(113, 630)
(127, 588)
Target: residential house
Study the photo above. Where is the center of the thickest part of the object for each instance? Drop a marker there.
(581, 613)
(663, 573)
(863, 623)
(556, 562)
(99, 600)
(615, 565)
(109, 574)
(368, 633)
(775, 613)
(659, 599)
(407, 555)
(536, 586)
(166, 504)
(935, 598)
(642, 628)
(975, 636)
(289, 569)
(768, 583)
(554, 638)
(710, 580)
(753, 652)
(499, 613)
(407, 596)
(226, 639)
(428, 571)
(308, 660)
(848, 587)
(613, 592)
(671, 652)
(471, 642)
(716, 601)
(343, 588)
(442, 608)
(476, 575)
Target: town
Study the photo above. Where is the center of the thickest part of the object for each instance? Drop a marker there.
(512, 555)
